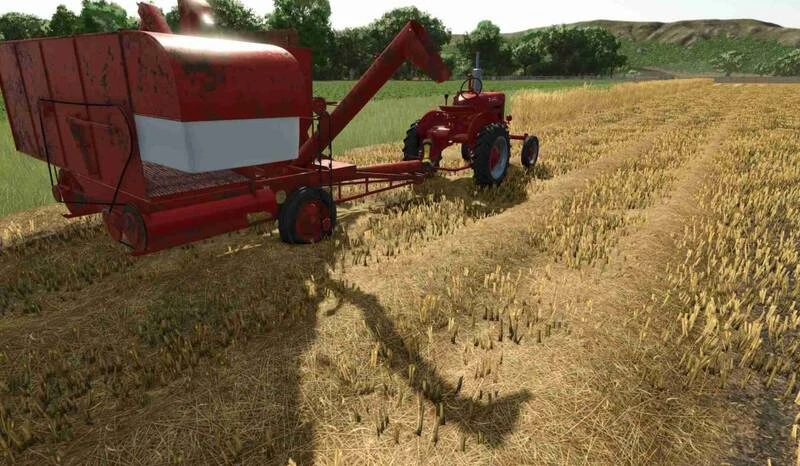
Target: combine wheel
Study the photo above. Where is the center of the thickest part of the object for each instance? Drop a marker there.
(530, 151)
(411, 146)
(491, 155)
(307, 216)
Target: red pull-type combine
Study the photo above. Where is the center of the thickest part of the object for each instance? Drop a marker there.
(176, 138)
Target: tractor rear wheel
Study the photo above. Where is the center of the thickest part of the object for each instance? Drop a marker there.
(307, 216)
(530, 151)
(411, 143)
(491, 155)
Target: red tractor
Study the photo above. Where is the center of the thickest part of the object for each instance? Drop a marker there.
(477, 121)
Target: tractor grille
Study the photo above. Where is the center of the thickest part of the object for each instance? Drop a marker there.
(165, 181)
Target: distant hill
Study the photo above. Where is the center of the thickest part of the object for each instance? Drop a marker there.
(689, 32)
(691, 46)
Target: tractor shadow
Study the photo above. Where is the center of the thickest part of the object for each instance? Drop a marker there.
(481, 202)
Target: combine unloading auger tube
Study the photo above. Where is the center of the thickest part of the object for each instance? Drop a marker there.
(166, 136)
(412, 43)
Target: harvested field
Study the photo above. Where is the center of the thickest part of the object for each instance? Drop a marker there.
(632, 300)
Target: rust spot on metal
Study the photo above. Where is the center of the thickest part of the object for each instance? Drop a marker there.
(203, 70)
(81, 137)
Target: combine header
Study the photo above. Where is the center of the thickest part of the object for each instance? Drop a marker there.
(175, 138)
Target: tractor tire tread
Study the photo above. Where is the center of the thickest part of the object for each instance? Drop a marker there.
(483, 144)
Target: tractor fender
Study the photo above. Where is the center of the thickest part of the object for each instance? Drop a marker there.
(483, 119)
(428, 121)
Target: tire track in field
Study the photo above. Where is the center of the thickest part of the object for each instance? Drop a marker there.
(607, 341)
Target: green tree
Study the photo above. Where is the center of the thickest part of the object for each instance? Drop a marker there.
(567, 51)
(312, 20)
(788, 64)
(352, 55)
(233, 16)
(103, 16)
(456, 62)
(173, 18)
(527, 56)
(64, 22)
(383, 30)
(387, 26)
(763, 69)
(15, 26)
(230, 16)
(495, 55)
(728, 62)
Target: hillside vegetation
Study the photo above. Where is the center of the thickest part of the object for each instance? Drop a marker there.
(691, 46)
(689, 32)
(699, 56)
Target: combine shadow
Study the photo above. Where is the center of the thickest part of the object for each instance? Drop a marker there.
(491, 421)
(277, 270)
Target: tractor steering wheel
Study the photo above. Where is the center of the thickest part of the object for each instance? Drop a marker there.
(469, 80)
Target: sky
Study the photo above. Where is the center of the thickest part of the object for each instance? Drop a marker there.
(510, 15)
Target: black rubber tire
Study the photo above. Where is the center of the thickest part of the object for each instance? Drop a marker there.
(487, 138)
(287, 216)
(530, 151)
(466, 152)
(411, 147)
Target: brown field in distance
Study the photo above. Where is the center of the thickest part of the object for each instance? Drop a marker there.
(632, 300)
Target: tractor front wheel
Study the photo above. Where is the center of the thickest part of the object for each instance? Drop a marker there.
(491, 155)
(530, 151)
(307, 216)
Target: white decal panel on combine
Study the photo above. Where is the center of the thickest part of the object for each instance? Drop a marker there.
(202, 146)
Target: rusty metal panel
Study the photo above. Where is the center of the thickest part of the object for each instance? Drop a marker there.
(104, 81)
(16, 100)
(62, 69)
(30, 60)
(150, 78)
(66, 85)
(76, 138)
(221, 79)
(100, 60)
(191, 78)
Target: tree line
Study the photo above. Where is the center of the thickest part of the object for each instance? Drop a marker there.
(347, 53)
(787, 64)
